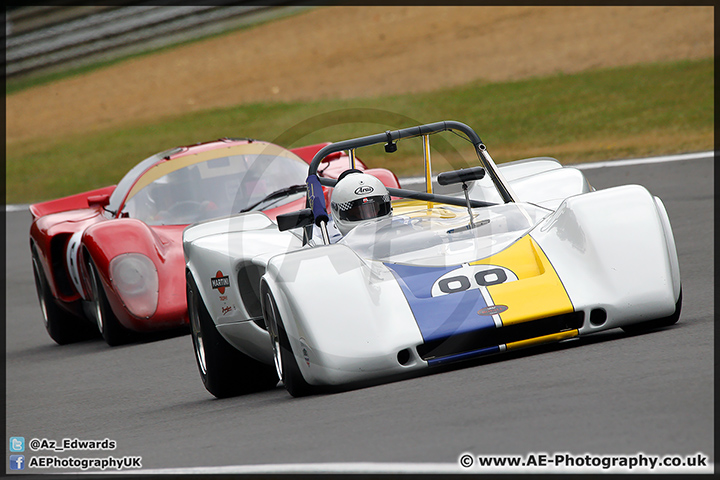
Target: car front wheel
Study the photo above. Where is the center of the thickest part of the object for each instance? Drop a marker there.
(62, 326)
(108, 324)
(285, 363)
(225, 371)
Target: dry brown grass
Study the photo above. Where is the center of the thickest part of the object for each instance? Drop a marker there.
(349, 52)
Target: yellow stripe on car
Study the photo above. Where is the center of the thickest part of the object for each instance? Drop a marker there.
(555, 337)
(538, 292)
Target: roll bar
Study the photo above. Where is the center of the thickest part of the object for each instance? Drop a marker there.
(391, 136)
(315, 203)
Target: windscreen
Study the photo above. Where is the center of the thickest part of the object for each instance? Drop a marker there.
(214, 188)
(441, 236)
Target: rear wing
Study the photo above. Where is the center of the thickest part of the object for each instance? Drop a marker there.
(73, 202)
(308, 152)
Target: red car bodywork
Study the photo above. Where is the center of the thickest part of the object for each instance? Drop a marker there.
(70, 233)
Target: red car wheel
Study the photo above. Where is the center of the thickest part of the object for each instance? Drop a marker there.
(107, 323)
(62, 326)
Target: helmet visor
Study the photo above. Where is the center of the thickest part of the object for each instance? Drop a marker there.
(363, 209)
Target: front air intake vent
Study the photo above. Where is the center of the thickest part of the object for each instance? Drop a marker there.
(479, 339)
(249, 287)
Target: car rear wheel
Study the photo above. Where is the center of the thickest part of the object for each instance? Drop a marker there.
(285, 363)
(224, 370)
(62, 326)
(108, 324)
(657, 323)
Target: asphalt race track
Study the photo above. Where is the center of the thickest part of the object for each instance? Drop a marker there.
(609, 394)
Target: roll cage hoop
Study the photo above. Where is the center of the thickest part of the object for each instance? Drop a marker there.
(316, 212)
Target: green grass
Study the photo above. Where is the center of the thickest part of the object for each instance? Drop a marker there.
(614, 113)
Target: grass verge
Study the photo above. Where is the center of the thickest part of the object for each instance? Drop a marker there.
(605, 114)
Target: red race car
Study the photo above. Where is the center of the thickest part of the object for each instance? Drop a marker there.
(113, 257)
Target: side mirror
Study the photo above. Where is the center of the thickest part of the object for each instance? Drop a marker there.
(98, 200)
(301, 218)
(461, 176)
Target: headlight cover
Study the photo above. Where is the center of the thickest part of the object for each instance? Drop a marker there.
(135, 279)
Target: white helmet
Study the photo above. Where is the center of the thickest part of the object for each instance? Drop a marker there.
(358, 197)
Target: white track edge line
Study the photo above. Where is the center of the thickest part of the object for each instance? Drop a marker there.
(579, 166)
(610, 163)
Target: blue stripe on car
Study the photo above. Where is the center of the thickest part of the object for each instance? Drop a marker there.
(443, 316)
(463, 356)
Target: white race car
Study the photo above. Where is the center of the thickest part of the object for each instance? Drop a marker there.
(525, 254)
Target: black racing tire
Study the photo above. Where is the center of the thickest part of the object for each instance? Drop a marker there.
(62, 326)
(285, 362)
(224, 370)
(657, 323)
(107, 323)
